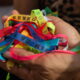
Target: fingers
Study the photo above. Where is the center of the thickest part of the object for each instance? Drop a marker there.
(18, 71)
(20, 68)
(15, 12)
(4, 18)
(19, 52)
(64, 28)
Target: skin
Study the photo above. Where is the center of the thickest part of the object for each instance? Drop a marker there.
(57, 66)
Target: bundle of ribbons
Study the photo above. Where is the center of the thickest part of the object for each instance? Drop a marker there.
(32, 32)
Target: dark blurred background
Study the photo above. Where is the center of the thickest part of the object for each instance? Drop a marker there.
(6, 2)
(69, 10)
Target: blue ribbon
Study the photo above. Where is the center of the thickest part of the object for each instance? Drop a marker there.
(3, 51)
(37, 42)
(42, 46)
(33, 33)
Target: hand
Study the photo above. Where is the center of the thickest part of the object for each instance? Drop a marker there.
(64, 28)
(52, 66)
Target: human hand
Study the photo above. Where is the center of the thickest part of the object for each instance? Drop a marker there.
(52, 66)
(63, 27)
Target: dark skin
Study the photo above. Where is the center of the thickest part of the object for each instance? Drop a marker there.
(57, 66)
